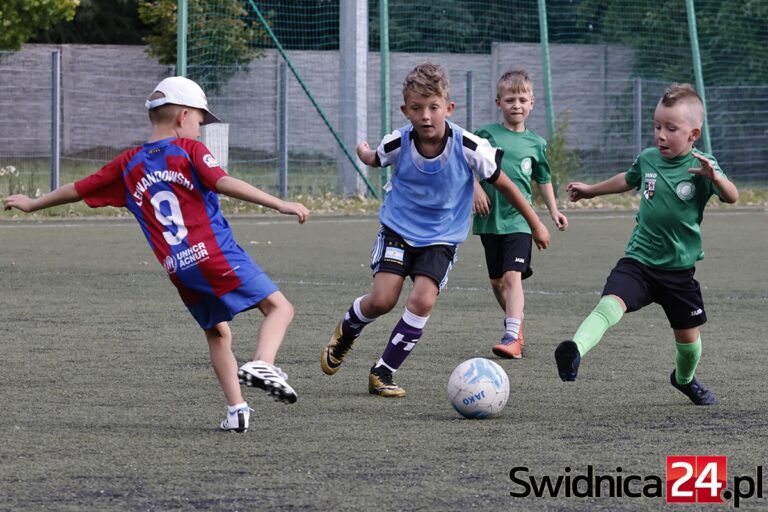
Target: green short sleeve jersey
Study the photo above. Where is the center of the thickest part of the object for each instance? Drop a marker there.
(667, 235)
(524, 159)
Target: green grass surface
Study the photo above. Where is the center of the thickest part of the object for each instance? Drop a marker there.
(109, 401)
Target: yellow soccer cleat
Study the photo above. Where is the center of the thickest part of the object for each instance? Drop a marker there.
(335, 350)
(380, 383)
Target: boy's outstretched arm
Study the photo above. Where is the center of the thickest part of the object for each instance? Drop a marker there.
(728, 191)
(367, 155)
(239, 189)
(62, 195)
(516, 198)
(615, 185)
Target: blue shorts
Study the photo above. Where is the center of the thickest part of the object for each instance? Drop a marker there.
(676, 291)
(210, 310)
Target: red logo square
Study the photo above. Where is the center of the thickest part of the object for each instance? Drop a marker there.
(696, 478)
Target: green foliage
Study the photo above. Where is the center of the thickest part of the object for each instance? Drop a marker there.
(733, 36)
(9, 180)
(564, 163)
(449, 29)
(221, 39)
(455, 26)
(736, 38)
(21, 19)
(98, 22)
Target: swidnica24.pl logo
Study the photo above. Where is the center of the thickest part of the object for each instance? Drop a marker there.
(688, 479)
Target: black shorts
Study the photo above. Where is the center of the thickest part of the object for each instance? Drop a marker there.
(392, 254)
(676, 291)
(504, 253)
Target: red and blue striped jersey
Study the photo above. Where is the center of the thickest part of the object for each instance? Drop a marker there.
(169, 186)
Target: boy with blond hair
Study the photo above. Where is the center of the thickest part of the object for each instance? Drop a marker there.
(424, 217)
(170, 184)
(677, 181)
(504, 233)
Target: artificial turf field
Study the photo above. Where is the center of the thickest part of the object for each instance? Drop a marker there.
(109, 401)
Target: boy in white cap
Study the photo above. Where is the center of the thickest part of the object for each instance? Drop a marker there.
(171, 185)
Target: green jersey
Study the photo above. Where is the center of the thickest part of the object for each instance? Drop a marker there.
(524, 159)
(667, 235)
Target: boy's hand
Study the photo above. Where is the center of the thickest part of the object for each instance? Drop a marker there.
(366, 154)
(560, 220)
(707, 168)
(577, 190)
(18, 201)
(362, 149)
(481, 204)
(540, 235)
(297, 209)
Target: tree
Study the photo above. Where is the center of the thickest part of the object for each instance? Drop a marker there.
(221, 38)
(98, 22)
(302, 24)
(455, 26)
(733, 36)
(21, 19)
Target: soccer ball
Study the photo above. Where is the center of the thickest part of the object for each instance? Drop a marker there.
(478, 388)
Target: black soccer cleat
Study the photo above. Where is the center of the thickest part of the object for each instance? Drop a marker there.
(568, 359)
(694, 390)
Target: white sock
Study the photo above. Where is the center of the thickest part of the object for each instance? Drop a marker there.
(381, 362)
(233, 408)
(512, 326)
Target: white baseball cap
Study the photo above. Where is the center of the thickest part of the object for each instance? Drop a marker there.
(179, 90)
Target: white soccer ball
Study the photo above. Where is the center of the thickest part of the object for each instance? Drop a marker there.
(478, 388)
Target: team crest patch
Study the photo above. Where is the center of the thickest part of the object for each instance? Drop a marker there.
(526, 165)
(210, 161)
(650, 188)
(685, 190)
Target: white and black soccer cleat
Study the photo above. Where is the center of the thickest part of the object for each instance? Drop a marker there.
(237, 420)
(266, 376)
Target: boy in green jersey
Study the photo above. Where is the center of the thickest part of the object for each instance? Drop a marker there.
(676, 181)
(504, 232)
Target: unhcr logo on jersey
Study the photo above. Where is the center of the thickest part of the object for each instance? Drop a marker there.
(192, 256)
(187, 258)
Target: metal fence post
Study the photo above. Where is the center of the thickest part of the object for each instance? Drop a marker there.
(181, 37)
(693, 35)
(470, 99)
(55, 118)
(546, 67)
(638, 114)
(386, 122)
(282, 127)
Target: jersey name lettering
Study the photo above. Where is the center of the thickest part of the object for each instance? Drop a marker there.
(151, 178)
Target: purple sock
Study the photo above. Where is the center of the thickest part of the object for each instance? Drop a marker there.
(354, 321)
(404, 337)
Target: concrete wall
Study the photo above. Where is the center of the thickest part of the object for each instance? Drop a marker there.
(104, 88)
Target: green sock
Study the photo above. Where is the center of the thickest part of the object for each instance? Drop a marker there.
(606, 314)
(686, 360)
